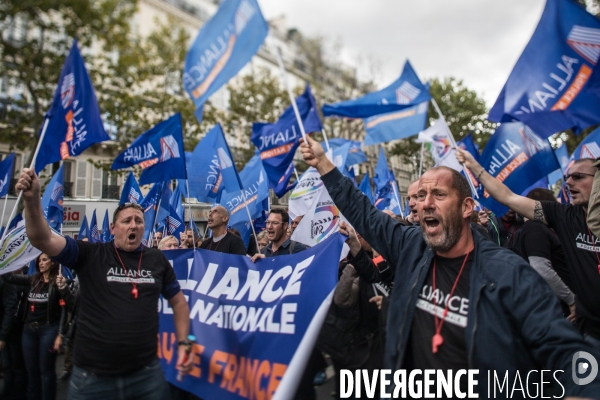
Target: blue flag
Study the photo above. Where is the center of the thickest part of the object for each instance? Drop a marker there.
(255, 191)
(467, 143)
(355, 155)
(74, 116)
(223, 46)
(150, 205)
(554, 85)
(52, 200)
(395, 125)
(562, 154)
(158, 151)
(518, 157)
(84, 230)
(13, 224)
(106, 236)
(174, 223)
(541, 183)
(164, 203)
(365, 187)
(6, 169)
(94, 231)
(193, 227)
(284, 185)
(277, 143)
(131, 192)
(213, 167)
(405, 92)
(383, 182)
(176, 202)
(339, 157)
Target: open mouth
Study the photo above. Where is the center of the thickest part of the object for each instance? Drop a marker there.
(131, 236)
(431, 223)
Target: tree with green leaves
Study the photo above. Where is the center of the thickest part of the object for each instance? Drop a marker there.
(37, 36)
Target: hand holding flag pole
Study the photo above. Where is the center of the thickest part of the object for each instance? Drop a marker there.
(32, 167)
(454, 145)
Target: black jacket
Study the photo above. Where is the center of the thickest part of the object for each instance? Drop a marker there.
(57, 312)
(9, 303)
(515, 323)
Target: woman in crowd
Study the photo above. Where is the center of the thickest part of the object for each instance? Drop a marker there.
(262, 240)
(169, 242)
(45, 319)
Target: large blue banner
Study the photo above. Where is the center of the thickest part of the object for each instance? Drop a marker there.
(518, 157)
(74, 115)
(158, 151)
(255, 324)
(223, 46)
(555, 84)
(405, 92)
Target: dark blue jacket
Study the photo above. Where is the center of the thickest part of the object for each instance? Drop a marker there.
(514, 320)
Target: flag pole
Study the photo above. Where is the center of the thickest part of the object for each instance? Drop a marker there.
(439, 112)
(187, 186)
(4, 208)
(397, 199)
(293, 100)
(296, 172)
(325, 138)
(32, 166)
(421, 160)
(249, 218)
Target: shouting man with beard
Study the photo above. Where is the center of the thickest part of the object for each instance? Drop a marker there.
(459, 301)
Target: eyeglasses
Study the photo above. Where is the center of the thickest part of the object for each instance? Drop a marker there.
(273, 223)
(576, 176)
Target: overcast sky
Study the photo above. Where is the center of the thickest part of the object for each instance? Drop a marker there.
(478, 41)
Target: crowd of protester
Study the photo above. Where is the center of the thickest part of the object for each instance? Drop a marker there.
(536, 287)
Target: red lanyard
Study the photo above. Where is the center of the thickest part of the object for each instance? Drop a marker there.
(438, 339)
(212, 240)
(134, 291)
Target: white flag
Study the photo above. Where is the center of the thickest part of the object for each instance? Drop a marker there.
(437, 139)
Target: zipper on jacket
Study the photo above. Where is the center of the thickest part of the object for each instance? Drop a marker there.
(474, 327)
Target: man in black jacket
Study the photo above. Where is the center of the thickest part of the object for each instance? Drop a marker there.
(459, 301)
(11, 329)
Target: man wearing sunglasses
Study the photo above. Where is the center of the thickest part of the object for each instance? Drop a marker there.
(121, 281)
(569, 222)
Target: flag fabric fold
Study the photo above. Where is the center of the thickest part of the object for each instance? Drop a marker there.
(52, 200)
(6, 169)
(277, 142)
(213, 168)
(405, 92)
(131, 192)
(517, 157)
(395, 125)
(223, 46)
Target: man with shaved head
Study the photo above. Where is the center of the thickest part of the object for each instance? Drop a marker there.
(412, 202)
(221, 240)
(459, 301)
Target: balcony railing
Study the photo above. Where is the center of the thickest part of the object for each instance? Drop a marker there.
(68, 189)
(110, 191)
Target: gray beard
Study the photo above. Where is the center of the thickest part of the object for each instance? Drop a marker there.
(449, 237)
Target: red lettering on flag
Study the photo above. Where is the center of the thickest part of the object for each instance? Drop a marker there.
(277, 151)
